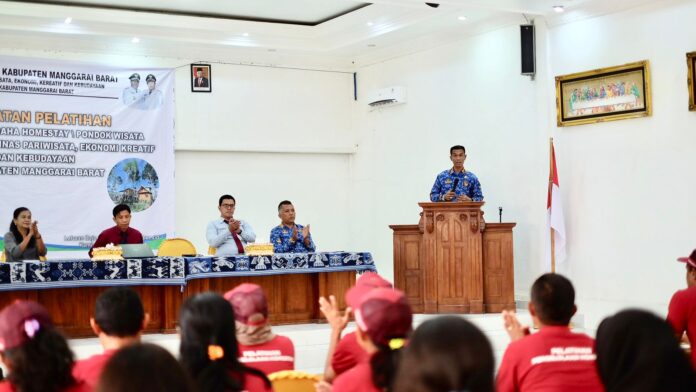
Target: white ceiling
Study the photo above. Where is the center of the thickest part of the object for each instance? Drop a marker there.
(383, 30)
(299, 11)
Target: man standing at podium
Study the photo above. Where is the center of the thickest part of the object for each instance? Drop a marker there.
(456, 184)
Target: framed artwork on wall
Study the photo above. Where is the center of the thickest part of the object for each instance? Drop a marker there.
(605, 94)
(201, 78)
(691, 63)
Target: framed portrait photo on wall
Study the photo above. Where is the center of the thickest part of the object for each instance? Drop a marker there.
(201, 78)
(691, 63)
(605, 94)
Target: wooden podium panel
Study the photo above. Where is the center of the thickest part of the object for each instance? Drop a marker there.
(498, 267)
(409, 276)
(452, 262)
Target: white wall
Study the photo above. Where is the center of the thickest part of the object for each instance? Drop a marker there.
(468, 93)
(628, 185)
(263, 135)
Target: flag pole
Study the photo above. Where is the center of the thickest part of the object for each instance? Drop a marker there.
(551, 176)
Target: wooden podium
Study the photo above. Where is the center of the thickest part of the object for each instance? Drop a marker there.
(454, 262)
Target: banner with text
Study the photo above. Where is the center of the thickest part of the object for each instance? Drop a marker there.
(76, 139)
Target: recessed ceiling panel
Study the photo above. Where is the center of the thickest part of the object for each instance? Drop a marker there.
(302, 12)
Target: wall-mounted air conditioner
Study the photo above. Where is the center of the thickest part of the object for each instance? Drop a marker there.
(386, 97)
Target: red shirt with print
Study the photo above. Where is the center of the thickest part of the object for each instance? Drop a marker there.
(273, 356)
(253, 383)
(6, 386)
(682, 316)
(89, 369)
(348, 353)
(553, 359)
(357, 379)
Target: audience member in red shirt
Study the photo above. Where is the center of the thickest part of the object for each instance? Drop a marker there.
(553, 359)
(447, 353)
(122, 233)
(36, 355)
(384, 320)
(638, 352)
(682, 307)
(259, 347)
(119, 319)
(344, 353)
(209, 350)
(144, 367)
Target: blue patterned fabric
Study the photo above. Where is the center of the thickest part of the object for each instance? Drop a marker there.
(280, 238)
(172, 270)
(468, 185)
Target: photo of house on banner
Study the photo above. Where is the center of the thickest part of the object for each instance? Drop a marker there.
(133, 182)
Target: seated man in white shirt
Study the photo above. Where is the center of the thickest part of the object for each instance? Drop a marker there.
(226, 234)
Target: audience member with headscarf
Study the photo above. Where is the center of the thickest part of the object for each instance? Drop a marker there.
(259, 347)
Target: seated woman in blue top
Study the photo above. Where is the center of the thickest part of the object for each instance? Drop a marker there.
(23, 241)
(289, 237)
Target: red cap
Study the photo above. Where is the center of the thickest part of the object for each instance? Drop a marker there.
(20, 321)
(365, 283)
(691, 260)
(384, 314)
(249, 303)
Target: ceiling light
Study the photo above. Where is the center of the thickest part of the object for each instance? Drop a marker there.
(135, 40)
(462, 18)
(370, 23)
(68, 20)
(245, 34)
(558, 8)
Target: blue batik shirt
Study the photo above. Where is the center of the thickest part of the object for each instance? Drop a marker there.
(280, 238)
(468, 185)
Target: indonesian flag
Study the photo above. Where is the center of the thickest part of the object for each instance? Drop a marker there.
(555, 224)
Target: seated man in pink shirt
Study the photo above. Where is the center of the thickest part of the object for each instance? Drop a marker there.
(259, 347)
(119, 319)
(682, 306)
(122, 233)
(553, 359)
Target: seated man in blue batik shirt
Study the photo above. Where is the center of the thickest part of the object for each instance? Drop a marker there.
(289, 237)
(456, 184)
(226, 234)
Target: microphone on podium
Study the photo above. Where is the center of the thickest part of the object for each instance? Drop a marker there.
(500, 214)
(454, 186)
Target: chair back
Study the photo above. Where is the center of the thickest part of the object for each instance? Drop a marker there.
(293, 381)
(176, 247)
(212, 251)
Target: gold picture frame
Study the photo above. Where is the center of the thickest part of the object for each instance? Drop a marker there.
(691, 64)
(605, 94)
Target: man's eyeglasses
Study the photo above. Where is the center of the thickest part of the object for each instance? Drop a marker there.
(227, 206)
